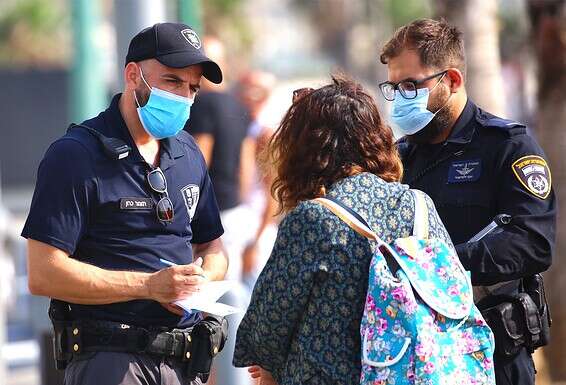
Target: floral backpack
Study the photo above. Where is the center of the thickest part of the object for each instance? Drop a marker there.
(420, 325)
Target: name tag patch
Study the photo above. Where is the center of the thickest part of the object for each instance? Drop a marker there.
(464, 171)
(136, 204)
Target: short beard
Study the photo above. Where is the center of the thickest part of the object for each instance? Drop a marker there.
(437, 127)
(142, 95)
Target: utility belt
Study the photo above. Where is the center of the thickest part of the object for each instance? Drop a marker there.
(517, 320)
(194, 347)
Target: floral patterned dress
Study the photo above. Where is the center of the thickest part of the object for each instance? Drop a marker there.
(303, 322)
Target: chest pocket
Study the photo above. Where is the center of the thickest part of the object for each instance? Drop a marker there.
(465, 209)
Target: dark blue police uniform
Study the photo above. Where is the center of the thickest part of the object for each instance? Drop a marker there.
(490, 166)
(102, 211)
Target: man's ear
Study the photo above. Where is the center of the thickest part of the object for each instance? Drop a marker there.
(132, 75)
(455, 79)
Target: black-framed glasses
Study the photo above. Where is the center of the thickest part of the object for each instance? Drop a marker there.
(158, 183)
(407, 88)
(299, 93)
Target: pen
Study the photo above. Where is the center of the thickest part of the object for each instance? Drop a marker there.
(169, 263)
(499, 220)
(166, 262)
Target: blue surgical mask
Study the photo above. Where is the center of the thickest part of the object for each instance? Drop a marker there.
(409, 116)
(165, 113)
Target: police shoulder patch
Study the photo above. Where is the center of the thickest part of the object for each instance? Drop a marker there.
(191, 194)
(534, 174)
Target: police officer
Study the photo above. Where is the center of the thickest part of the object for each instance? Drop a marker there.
(473, 165)
(124, 221)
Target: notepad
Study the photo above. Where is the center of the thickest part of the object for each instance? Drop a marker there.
(206, 299)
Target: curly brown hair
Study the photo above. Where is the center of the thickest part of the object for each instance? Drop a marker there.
(326, 135)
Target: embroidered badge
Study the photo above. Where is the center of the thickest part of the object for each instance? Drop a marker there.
(136, 204)
(191, 194)
(464, 171)
(192, 37)
(534, 174)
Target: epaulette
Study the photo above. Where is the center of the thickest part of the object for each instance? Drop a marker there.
(510, 127)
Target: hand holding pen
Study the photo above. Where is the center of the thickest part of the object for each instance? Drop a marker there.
(176, 281)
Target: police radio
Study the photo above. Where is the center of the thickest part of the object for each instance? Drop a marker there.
(114, 148)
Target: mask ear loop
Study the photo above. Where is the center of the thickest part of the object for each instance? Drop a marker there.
(143, 78)
(447, 100)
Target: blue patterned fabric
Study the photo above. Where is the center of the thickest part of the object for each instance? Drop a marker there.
(307, 330)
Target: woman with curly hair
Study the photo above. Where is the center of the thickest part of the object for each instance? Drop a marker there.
(303, 322)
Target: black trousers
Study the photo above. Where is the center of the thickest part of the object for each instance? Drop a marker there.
(519, 370)
(110, 368)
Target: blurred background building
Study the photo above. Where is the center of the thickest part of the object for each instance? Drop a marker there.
(61, 61)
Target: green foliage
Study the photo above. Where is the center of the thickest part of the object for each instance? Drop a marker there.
(32, 32)
(405, 11)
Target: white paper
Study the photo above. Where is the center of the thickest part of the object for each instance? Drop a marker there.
(206, 299)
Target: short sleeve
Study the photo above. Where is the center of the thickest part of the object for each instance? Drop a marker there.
(206, 225)
(65, 191)
(202, 118)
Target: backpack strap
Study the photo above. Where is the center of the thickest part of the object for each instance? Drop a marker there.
(420, 226)
(360, 225)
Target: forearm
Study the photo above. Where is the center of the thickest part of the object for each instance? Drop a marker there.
(215, 262)
(54, 274)
(505, 256)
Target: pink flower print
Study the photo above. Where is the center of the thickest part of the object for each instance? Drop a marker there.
(454, 290)
(370, 303)
(429, 367)
(381, 326)
(383, 295)
(410, 307)
(423, 351)
(399, 294)
(487, 363)
(480, 322)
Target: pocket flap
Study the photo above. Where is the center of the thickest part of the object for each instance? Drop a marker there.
(383, 350)
(436, 274)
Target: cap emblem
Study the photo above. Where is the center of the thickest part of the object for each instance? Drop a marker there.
(191, 37)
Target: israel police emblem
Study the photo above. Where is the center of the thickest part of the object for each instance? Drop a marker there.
(191, 194)
(534, 174)
(192, 37)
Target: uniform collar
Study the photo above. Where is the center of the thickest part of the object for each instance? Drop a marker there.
(171, 148)
(463, 131)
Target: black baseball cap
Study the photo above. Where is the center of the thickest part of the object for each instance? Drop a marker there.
(174, 45)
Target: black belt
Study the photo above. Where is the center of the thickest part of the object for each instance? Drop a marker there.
(96, 336)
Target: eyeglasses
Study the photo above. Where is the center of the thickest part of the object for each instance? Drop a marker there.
(407, 88)
(158, 183)
(297, 94)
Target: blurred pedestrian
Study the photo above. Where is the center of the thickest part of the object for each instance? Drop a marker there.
(303, 326)
(475, 166)
(254, 89)
(219, 123)
(118, 200)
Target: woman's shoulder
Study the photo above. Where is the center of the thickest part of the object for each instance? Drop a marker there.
(306, 212)
(366, 188)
